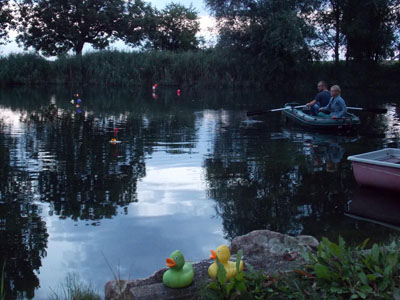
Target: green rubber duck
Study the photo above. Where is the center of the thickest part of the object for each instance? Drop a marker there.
(180, 274)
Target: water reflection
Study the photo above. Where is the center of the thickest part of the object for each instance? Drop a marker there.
(324, 151)
(291, 181)
(23, 234)
(189, 172)
(376, 206)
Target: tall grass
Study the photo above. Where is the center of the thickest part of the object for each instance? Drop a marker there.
(212, 67)
(73, 289)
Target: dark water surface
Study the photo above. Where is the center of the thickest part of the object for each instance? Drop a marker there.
(189, 173)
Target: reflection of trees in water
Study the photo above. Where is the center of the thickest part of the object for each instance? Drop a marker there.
(273, 185)
(82, 175)
(65, 158)
(23, 234)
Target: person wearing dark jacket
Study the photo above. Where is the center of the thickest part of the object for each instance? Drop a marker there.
(321, 99)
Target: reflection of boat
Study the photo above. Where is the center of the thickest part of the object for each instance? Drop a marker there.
(305, 118)
(378, 168)
(376, 206)
(314, 137)
(325, 150)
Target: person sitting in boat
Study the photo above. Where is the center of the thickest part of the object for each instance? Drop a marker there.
(336, 107)
(321, 99)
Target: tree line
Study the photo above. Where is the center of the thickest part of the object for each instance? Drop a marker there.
(258, 40)
(54, 27)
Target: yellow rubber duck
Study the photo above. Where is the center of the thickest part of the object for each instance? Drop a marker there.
(223, 255)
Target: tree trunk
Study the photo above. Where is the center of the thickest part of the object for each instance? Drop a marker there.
(336, 9)
(78, 48)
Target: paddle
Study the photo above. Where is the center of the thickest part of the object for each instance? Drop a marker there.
(373, 109)
(261, 112)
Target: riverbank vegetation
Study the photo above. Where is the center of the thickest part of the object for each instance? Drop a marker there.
(336, 271)
(260, 43)
(212, 68)
(72, 288)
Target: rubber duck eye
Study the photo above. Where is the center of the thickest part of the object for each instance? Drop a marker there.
(176, 258)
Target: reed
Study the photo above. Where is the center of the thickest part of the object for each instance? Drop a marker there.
(214, 67)
(73, 289)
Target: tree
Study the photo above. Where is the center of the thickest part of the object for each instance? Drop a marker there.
(175, 27)
(139, 20)
(274, 32)
(5, 19)
(370, 27)
(329, 23)
(57, 26)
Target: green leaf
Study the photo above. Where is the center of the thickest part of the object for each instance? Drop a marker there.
(221, 273)
(361, 294)
(250, 268)
(362, 246)
(366, 289)
(363, 278)
(392, 259)
(337, 290)
(212, 295)
(383, 285)
(375, 252)
(321, 271)
(238, 259)
(241, 286)
(371, 277)
(213, 285)
(230, 286)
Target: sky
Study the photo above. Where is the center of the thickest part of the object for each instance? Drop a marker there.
(206, 25)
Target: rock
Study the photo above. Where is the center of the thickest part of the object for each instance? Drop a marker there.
(265, 250)
(271, 251)
(153, 288)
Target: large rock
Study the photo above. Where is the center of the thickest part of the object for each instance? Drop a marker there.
(265, 250)
(152, 288)
(271, 251)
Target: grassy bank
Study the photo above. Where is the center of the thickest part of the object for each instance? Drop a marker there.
(213, 68)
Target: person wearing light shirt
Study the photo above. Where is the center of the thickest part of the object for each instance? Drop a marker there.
(337, 106)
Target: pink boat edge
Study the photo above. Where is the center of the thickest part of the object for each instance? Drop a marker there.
(379, 169)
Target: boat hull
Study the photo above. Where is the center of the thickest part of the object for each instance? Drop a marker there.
(380, 169)
(348, 122)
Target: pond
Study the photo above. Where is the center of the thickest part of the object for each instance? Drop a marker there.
(189, 172)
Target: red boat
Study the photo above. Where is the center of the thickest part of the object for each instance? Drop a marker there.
(380, 169)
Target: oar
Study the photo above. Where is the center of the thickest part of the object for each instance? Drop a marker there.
(261, 112)
(372, 109)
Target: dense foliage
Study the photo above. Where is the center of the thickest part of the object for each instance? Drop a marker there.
(370, 27)
(54, 27)
(336, 271)
(175, 29)
(5, 19)
(273, 33)
(276, 35)
(212, 68)
(262, 43)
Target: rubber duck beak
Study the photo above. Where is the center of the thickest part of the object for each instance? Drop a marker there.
(170, 262)
(213, 255)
